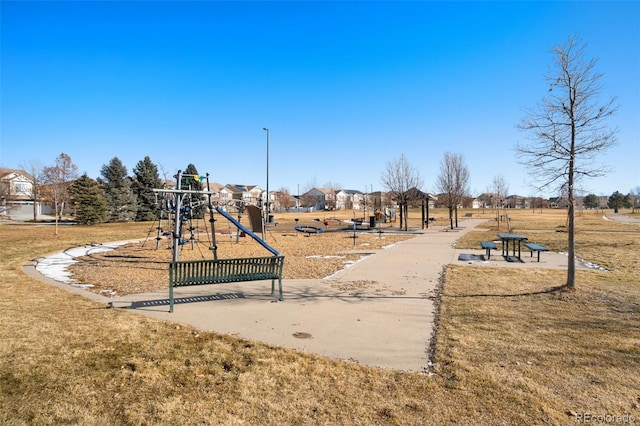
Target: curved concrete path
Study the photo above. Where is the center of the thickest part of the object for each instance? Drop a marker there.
(619, 217)
(379, 312)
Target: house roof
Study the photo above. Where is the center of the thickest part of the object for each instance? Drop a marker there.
(236, 188)
(214, 186)
(4, 173)
(415, 194)
(351, 191)
(326, 190)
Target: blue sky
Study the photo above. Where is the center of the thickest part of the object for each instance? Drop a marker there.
(344, 87)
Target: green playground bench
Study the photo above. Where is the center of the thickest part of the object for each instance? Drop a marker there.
(488, 246)
(535, 247)
(220, 271)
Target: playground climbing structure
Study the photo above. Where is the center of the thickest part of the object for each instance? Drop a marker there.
(180, 204)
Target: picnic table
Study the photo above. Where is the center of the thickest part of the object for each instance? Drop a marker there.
(513, 239)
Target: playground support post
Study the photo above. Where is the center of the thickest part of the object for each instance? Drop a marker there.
(177, 221)
(214, 245)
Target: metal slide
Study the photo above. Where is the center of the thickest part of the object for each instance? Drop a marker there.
(247, 231)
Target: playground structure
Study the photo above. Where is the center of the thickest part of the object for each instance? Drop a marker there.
(308, 229)
(180, 203)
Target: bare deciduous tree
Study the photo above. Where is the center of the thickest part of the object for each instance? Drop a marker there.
(58, 177)
(398, 178)
(500, 188)
(284, 199)
(453, 183)
(567, 130)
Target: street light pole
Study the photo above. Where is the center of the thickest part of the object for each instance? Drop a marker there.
(266, 210)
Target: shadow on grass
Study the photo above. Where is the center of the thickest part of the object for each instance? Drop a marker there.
(529, 293)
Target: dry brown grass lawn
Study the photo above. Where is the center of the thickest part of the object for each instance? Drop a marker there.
(509, 349)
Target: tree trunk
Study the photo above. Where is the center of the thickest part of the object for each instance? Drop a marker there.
(571, 266)
(456, 213)
(451, 217)
(427, 213)
(406, 216)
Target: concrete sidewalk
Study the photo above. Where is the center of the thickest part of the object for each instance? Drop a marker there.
(378, 312)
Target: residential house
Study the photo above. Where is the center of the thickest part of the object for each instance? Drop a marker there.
(347, 199)
(516, 202)
(376, 200)
(250, 194)
(216, 188)
(490, 200)
(17, 193)
(319, 199)
(471, 202)
(558, 202)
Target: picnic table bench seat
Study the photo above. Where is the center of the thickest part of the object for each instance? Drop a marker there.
(488, 246)
(535, 247)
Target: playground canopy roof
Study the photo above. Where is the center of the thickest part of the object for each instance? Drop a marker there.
(414, 194)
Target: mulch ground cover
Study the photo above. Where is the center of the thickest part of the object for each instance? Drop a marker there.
(142, 266)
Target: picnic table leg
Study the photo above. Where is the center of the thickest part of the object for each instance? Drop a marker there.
(518, 250)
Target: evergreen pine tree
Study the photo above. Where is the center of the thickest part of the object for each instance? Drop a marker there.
(146, 178)
(89, 201)
(591, 201)
(193, 183)
(617, 201)
(121, 200)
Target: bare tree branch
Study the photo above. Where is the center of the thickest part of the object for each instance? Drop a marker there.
(567, 130)
(453, 183)
(398, 178)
